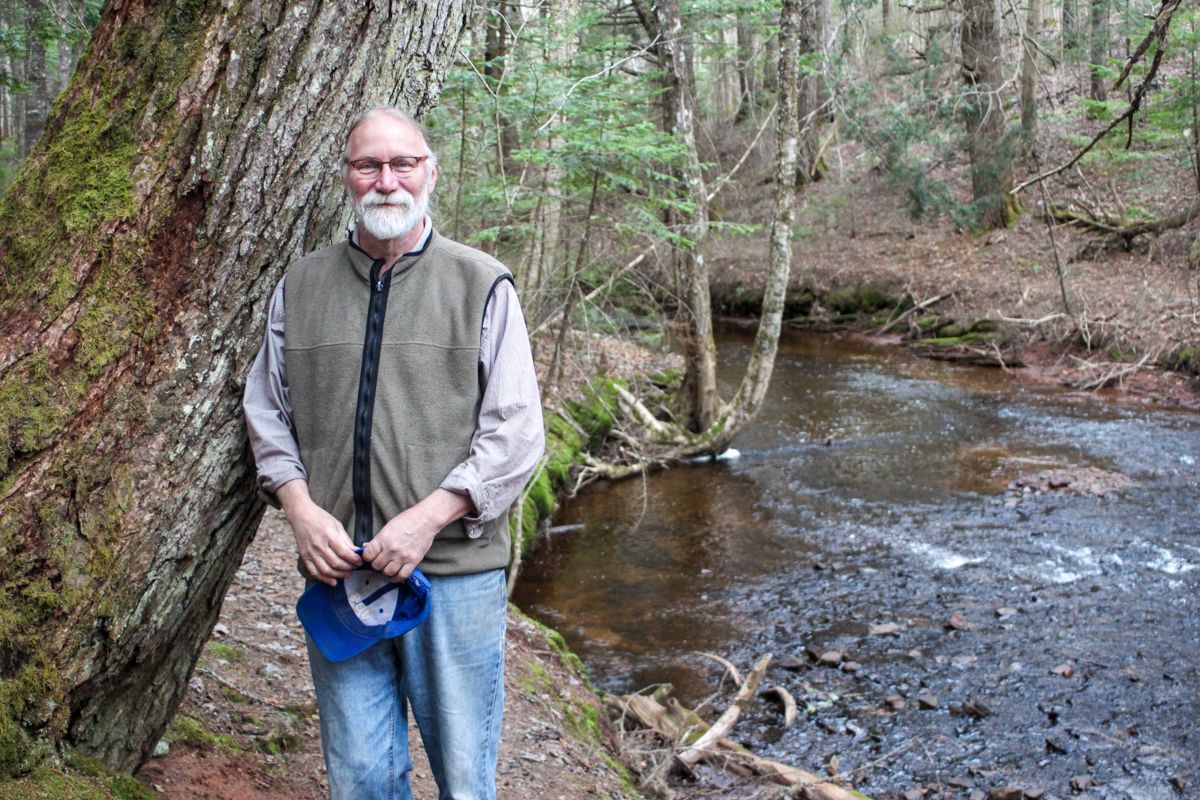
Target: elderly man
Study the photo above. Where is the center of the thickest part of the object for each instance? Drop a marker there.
(394, 412)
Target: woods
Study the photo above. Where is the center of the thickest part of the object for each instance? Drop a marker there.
(638, 165)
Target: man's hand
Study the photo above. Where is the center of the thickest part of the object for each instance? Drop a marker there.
(324, 547)
(403, 542)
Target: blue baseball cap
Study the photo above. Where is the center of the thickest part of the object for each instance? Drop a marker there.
(362, 609)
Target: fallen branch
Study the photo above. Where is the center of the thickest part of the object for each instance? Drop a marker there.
(1126, 230)
(789, 703)
(698, 751)
(918, 307)
(727, 664)
(663, 714)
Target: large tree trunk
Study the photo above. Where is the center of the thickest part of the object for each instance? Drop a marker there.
(1029, 42)
(1098, 52)
(193, 155)
(664, 25)
(813, 35)
(988, 143)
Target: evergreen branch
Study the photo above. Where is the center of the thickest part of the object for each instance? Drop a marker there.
(598, 73)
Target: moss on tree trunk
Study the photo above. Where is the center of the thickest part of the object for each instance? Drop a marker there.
(193, 155)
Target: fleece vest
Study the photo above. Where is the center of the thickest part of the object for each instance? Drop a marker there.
(383, 373)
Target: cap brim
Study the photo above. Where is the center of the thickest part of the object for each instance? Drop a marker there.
(337, 631)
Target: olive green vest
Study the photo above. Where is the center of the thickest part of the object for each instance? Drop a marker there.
(427, 390)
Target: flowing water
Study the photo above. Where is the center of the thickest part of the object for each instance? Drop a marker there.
(1031, 637)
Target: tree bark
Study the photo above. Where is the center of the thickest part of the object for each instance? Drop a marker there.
(1069, 36)
(988, 143)
(746, 68)
(756, 379)
(665, 441)
(664, 25)
(813, 32)
(1029, 78)
(193, 155)
(1098, 52)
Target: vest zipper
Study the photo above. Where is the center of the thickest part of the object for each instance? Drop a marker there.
(368, 376)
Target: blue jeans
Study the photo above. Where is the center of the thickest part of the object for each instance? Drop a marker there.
(450, 669)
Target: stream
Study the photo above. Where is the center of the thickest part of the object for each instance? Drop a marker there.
(966, 580)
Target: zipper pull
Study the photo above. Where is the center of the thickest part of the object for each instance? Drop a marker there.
(379, 285)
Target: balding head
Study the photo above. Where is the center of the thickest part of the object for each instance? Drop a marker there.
(394, 113)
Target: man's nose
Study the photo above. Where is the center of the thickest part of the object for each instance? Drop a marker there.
(388, 180)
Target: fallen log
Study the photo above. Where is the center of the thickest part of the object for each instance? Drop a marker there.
(1123, 229)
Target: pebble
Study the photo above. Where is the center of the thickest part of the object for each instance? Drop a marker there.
(896, 702)
(1064, 670)
(162, 748)
(220, 629)
(1081, 783)
(927, 701)
(830, 658)
(270, 669)
(1005, 793)
(958, 621)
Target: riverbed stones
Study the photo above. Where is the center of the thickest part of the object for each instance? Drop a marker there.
(830, 658)
(927, 701)
(792, 663)
(1005, 793)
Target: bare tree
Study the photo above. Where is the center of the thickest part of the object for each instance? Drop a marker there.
(192, 156)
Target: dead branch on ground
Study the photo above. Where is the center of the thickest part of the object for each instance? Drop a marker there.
(693, 755)
(675, 723)
(789, 703)
(918, 307)
(1117, 229)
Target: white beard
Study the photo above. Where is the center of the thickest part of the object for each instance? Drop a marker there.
(386, 222)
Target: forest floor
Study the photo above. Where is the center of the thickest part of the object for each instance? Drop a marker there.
(1076, 307)
(248, 725)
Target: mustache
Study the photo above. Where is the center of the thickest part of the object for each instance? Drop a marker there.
(399, 197)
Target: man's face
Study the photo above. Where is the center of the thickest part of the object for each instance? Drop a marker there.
(388, 205)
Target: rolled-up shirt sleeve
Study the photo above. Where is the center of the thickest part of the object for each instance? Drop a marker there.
(509, 438)
(267, 407)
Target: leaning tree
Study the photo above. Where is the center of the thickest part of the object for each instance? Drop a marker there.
(193, 154)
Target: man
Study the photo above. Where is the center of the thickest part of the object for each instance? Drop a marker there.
(394, 407)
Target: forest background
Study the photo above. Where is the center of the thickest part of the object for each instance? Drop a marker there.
(639, 166)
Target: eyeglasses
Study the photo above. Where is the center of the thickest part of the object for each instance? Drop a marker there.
(370, 167)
